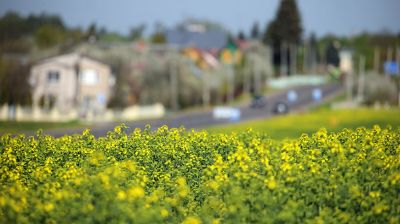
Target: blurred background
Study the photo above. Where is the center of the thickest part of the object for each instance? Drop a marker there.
(75, 64)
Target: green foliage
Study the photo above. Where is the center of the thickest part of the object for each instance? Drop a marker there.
(175, 176)
(136, 32)
(48, 36)
(13, 26)
(158, 38)
(17, 46)
(112, 37)
(18, 34)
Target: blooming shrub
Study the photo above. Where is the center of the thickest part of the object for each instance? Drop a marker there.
(178, 176)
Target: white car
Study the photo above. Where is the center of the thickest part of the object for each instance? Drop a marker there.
(228, 113)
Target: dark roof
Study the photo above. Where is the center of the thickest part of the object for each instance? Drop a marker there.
(212, 39)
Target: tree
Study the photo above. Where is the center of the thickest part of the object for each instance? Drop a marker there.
(92, 32)
(283, 33)
(313, 52)
(71, 38)
(241, 36)
(11, 26)
(49, 36)
(255, 31)
(17, 31)
(14, 86)
(332, 54)
(286, 27)
(158, 37)
(137, 32)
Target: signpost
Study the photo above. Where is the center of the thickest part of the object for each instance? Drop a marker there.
(391, 68)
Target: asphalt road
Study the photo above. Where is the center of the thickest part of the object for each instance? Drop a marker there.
(205, 118)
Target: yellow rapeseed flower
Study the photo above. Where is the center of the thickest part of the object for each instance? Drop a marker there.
(271, 183)
(379, 208)
(135, 192)
(213, 185)
(216, 221)
(374, 194)
(286, 167)
(183, 192)
(164, 213)
(121, 195)
(48, 207)
(181, 181)
(192, 220)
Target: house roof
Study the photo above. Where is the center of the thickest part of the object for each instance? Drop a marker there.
(70, 59)
(207, 40)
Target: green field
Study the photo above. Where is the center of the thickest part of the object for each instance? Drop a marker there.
(293, 125)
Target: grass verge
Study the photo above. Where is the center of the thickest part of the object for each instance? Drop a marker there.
(14, 127)
(293, 125)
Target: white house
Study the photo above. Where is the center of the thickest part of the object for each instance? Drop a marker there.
(71, 81)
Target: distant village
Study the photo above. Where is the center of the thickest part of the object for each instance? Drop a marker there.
(194, 64)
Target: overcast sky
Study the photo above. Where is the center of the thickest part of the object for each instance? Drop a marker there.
(340, 17)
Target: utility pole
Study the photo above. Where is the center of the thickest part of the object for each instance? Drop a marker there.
(77, 69)
(398, 56)
(257, 76)
(313, 57)
(305, 58)
(230, 83)
(220, 90)
(174, 67)
(361, 79)
(323, 59)
(293, 58)
(346, 65)
(376, 60)
(398, 74)
(389, 54)
(283, 59)
(349, 83)
(389, 58)
(247, 75)
(206, 89)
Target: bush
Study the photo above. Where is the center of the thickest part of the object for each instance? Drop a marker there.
(174, 176)
(379, 89)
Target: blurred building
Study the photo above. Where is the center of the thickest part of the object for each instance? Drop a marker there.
(197, 36)
(346, 61)
(71, 81)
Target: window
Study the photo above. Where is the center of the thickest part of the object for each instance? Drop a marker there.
(53, 77)
(89, 77)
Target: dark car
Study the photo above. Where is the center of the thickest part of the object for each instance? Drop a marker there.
(258, 101)
(280, 108)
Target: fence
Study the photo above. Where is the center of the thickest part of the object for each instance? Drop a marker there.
(18, 113)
